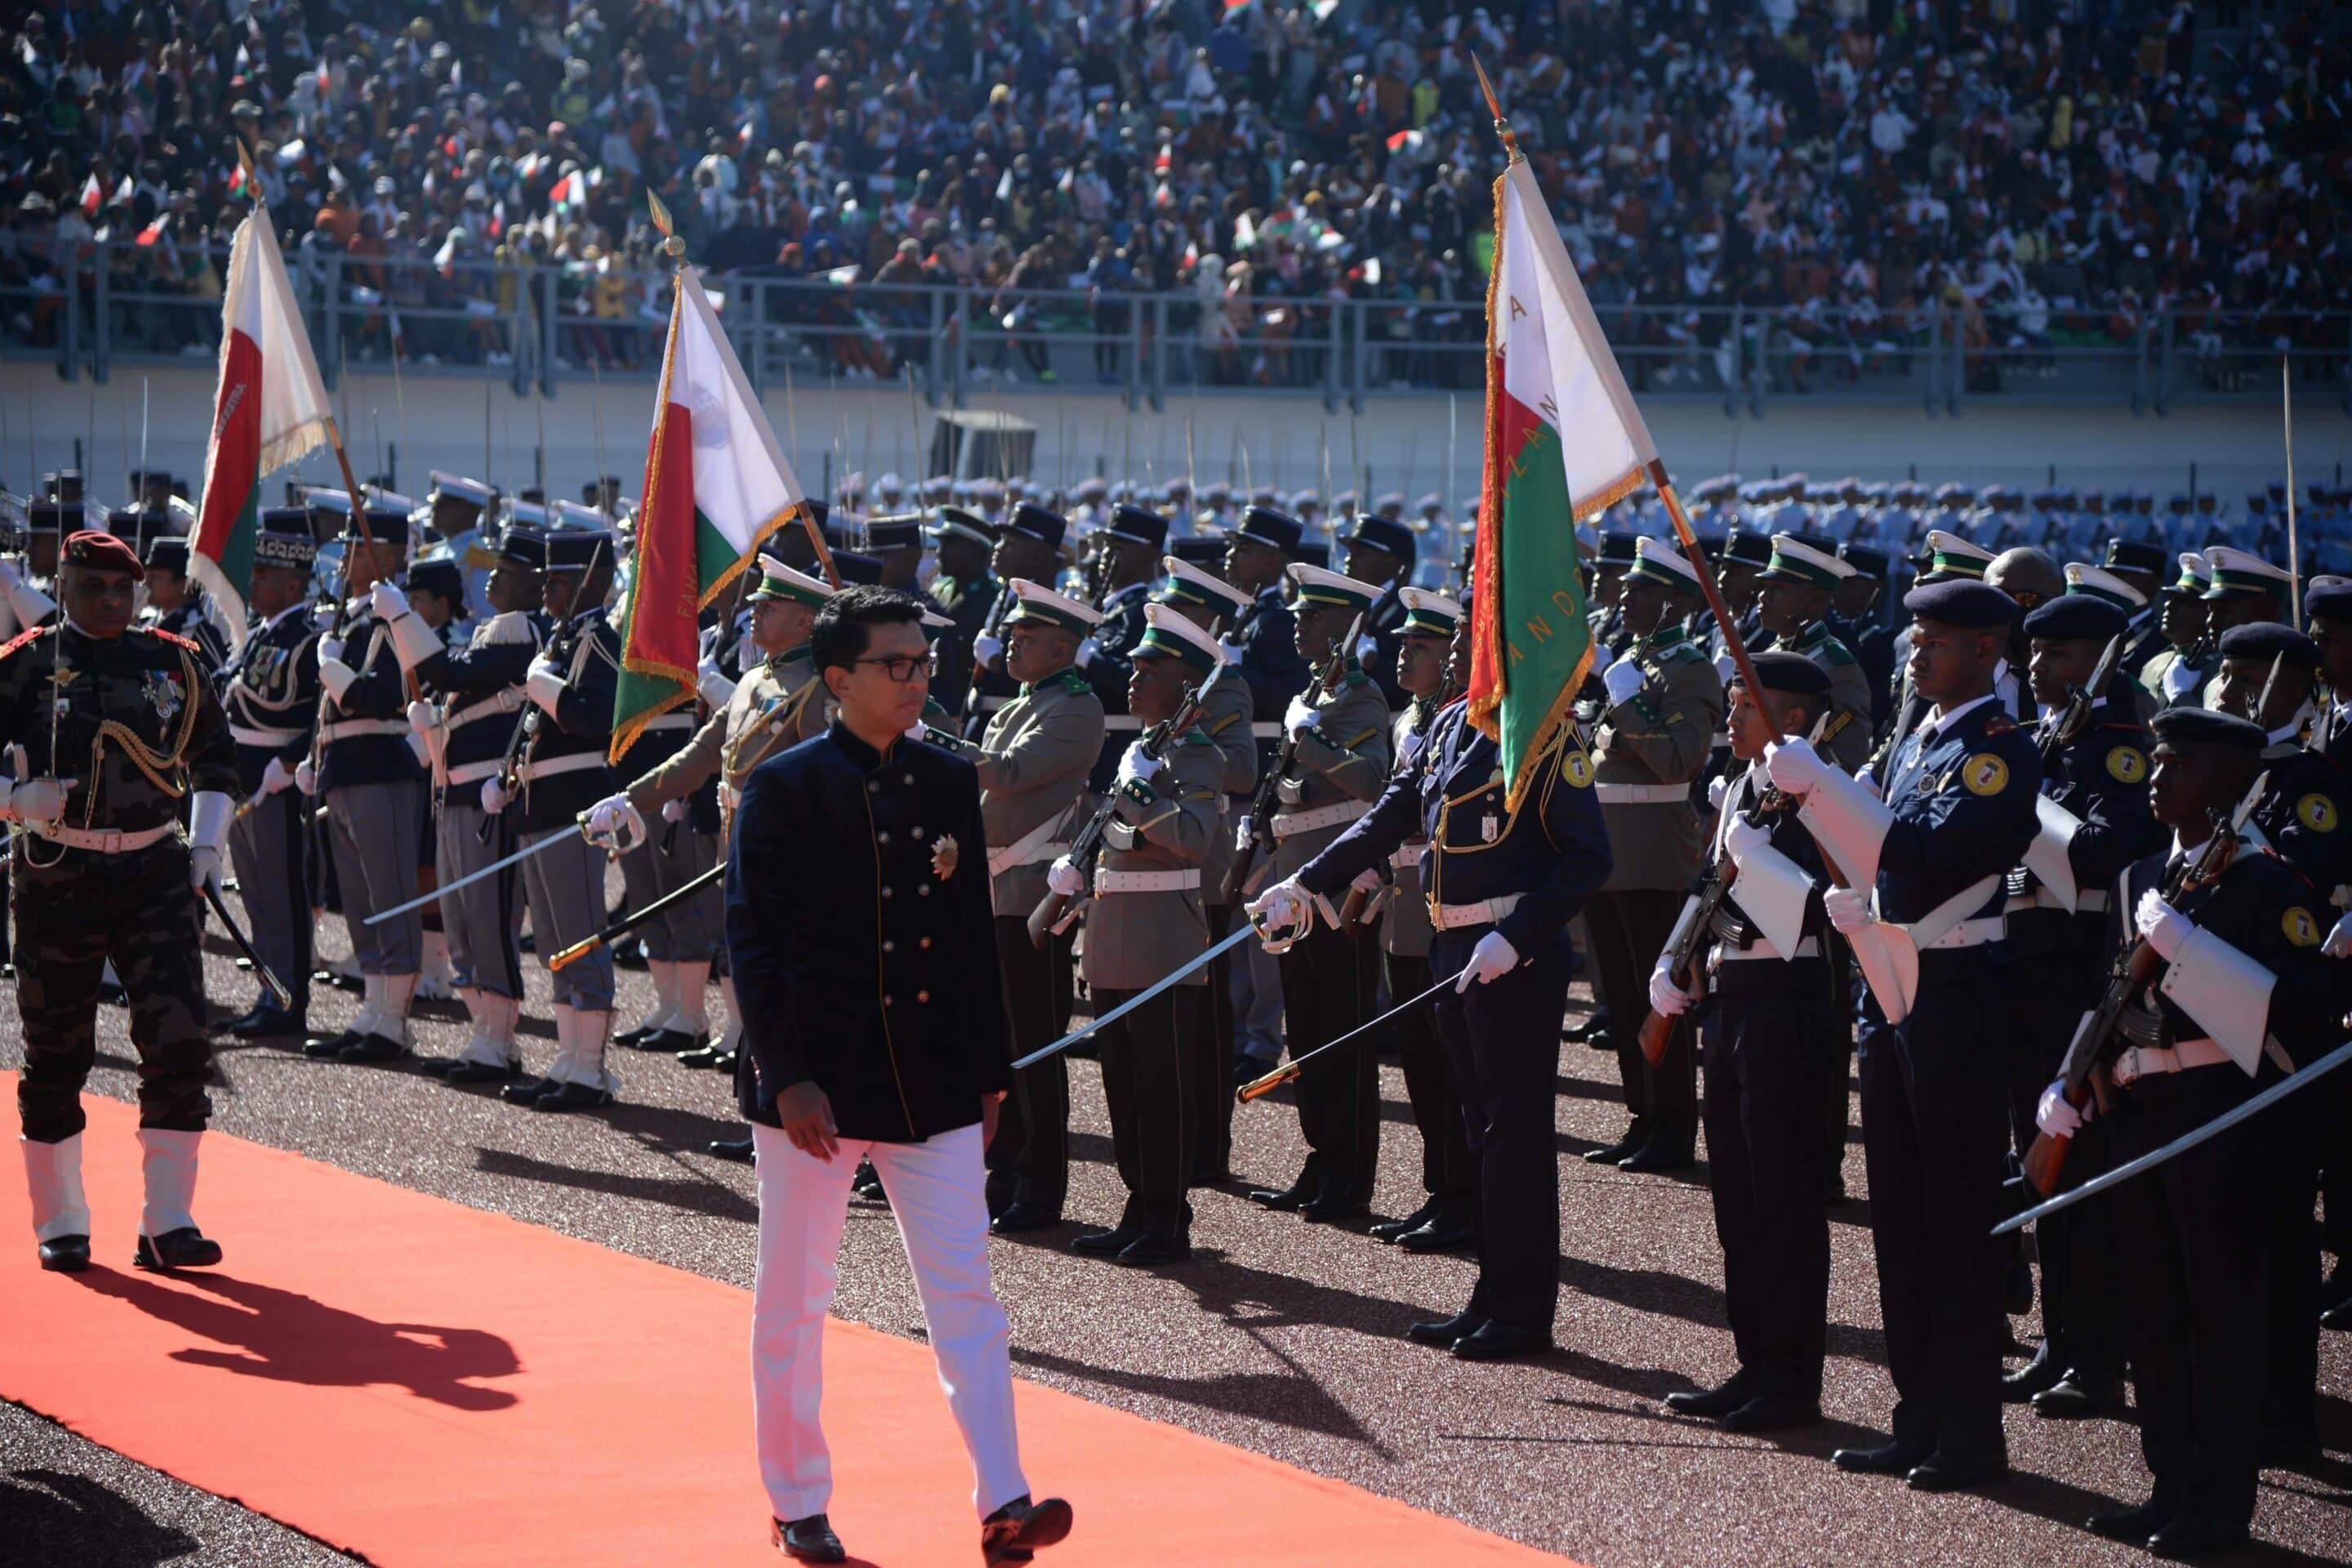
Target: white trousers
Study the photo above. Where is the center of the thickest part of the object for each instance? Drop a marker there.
(936, 1198)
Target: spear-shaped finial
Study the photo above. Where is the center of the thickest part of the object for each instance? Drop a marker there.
(1502, 126)
(672, 247)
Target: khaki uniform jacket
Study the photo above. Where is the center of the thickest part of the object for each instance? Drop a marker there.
(780, 695)
(1849, 691)
(1227, 707)
(1034, 760)
(1405, 928)
(1659, 736)
(1342, 760)
(1167, 825)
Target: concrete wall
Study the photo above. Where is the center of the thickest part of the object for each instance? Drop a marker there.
(449, 420)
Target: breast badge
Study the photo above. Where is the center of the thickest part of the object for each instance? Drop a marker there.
(1984, 774)
(944, 854)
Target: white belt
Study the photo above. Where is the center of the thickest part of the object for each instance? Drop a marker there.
(505, 701)
(2089, 901)
(1032, 847)
(1266, 729)
(1486, 911)
(1121, 724)
(100, 840)
(1407, 859)
(353, 729)
(1970, 933)
(475, 773)
(246, 735)
(1726, 953)
(677, 719)
(1640, 794)
(1288, 823)
(1182, 881)
(2138, 1061)
(576, 762)
(992, 702)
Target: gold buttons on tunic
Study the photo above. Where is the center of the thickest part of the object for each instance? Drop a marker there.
(889, 946)
(885, 892)
(922, 996)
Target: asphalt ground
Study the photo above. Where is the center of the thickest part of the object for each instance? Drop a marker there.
(1280, 1336)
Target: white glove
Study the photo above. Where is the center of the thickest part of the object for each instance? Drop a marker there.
(2165, 927)
(2057, 1115)
(1744, 838)
(1231, 650)
(331, 648)
(986, 650)
(1601, 658)
(1667, 999)
(1087, 648)
(1717, 788)
(275, 777)
(1849, 908)
(494, 798)
(39, 800)
(2339, 941)
(1492, 958)
(674, 810)
(422, 717)
(2180, 680)
(1368, 881)
(203, 868)
(1065, 877)
(387, 600)
(611, 818)
(1869, 781)
(1792, 766)
(1242, 834)
(306, 777)
(711, 685)
(10, 578)
(1366, 647)
(1139, 763)
(1725, 667)
(1624, 681)
(1301, 717)
(1284, 906)
(544, 687)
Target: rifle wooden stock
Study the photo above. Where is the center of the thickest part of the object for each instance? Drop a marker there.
(1088, 846)
(1261, 805)
(2045, 1158)
(1046, 916)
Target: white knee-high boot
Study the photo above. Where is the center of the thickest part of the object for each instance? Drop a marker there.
(53, 1174)
(168, 1161)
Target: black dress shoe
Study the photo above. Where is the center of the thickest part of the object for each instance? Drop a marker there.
(1658, 1156)
(2339, 1317)
(1445, 1232)
(326, 1047)
(528, 1093)
(1446, 1333)
(265, 1021)
(1155, 1248)
(1886, 1459)
(1021, 1528)
(2196, 1535)
(476, 1072)
(366, 1048)
(1712, 1404)
(1325, 1208)
(1022, 1215)
(2043, 1371)
(1595, 1023)
(736, 1149)
(1390, 1229)
(1773, 1413)
(1610, 1154)
(631, 1036)
(66, 1254)
(1500, 1342)
(867, 1183)
(565, 1097)
(706, 1057)
(677, 1042)
(2079, 1396)
(2016, 1286)
(185, 1248)
(1949, 1473)
(1106, 1243)
(1284, 1199)
(2134, 1524)
(809, 1539)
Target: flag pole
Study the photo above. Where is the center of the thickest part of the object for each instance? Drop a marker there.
(2294, 556)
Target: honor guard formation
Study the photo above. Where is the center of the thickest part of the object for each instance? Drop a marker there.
(2029, 811)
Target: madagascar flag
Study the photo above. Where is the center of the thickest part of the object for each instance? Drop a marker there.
(715, 486)
(269, 411)
(1563, 441)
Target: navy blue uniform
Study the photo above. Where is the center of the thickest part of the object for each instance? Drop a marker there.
(367, 730)
(1267, 636)
(1935, 1116)
(1106, 671)
(856, 876)
(566, 773)
(1502, 1037)
(1384, 624)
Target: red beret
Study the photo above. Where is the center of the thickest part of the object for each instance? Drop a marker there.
(91, 547)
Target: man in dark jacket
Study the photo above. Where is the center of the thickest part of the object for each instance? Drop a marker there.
(859, 871)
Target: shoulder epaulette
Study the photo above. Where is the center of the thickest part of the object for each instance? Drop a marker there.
(1074, 683)
(1836, 652)
(1681, 653)
(1999, 724)
(20, 640)
(1198, 738)
(174, 638)
(1355, 678)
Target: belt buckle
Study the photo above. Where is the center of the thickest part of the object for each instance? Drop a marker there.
(2126, 1072)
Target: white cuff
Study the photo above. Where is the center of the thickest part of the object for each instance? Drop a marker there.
(715, 689)
(413, 642)
(546, 690)
(209, 817)
(337, 675)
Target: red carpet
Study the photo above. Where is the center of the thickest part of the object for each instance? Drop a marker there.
(423, 1383)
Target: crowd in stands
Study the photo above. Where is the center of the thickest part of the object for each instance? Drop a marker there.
(2044, 173)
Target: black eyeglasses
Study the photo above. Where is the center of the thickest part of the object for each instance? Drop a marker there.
(903, 669)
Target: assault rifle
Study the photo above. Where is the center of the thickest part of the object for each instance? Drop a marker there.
(1261, 817)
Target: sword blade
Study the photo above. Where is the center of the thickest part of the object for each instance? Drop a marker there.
(1260, 1086)
(470, 878)
(2186, 1142)
(1233, 940)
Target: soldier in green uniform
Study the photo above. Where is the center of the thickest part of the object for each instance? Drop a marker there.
(1793, 597)
(109, 729)
(1146, 921)
(965, 591)
(2187, 661)
(1329, 975)
(1664, 707)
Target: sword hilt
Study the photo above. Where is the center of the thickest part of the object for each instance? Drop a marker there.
(1259, 1088)
(577, 951)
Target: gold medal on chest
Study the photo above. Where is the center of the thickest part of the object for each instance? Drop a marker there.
(164, 693)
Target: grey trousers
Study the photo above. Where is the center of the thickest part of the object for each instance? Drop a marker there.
(566, 889)
(482, 920)
(688, 934)
(265, 848)
(374, 831)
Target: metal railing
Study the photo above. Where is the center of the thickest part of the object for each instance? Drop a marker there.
(540, 325)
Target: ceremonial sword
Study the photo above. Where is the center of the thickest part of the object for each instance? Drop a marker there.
(1232, 941)
(549, 842)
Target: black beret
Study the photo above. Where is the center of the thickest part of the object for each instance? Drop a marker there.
(2130, 556)
(1782, 671)
(2208, 727)
(2267, 640)
(1961, 602)
(2075, 615)
(2328, 598)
